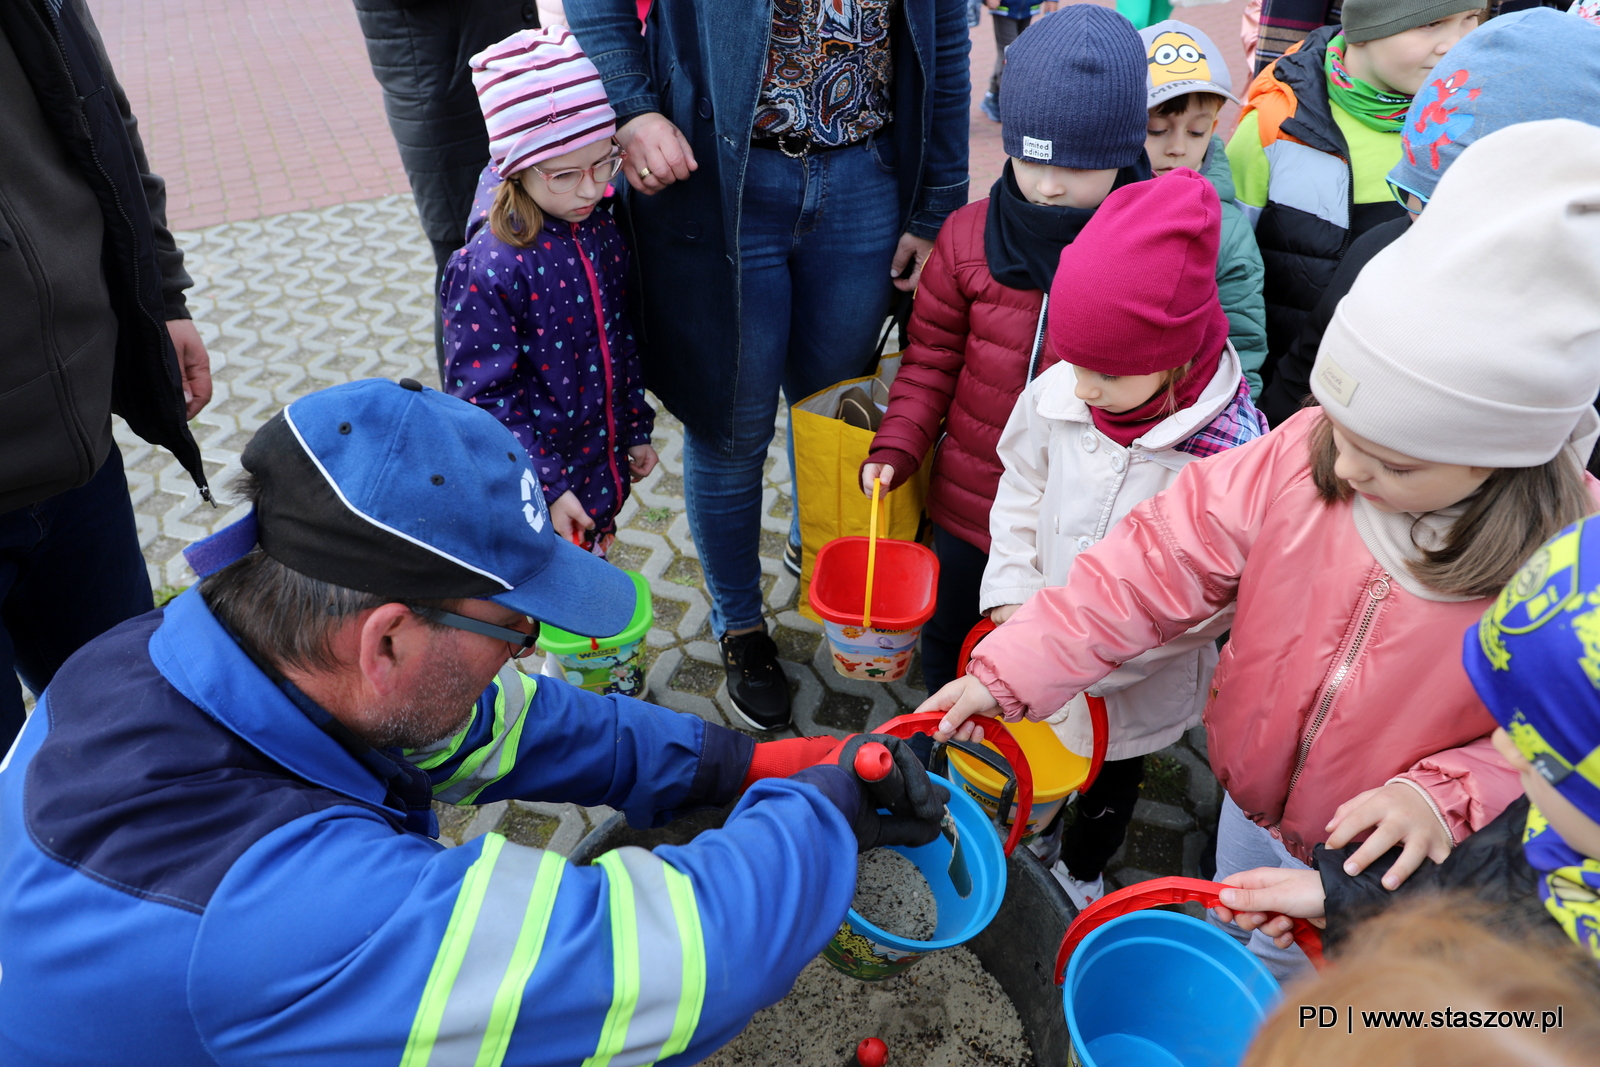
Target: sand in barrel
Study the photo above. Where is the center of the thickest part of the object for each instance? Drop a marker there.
(892, 895)
(944, 1011)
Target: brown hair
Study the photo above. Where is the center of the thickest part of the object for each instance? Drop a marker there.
(514, 217)
(1515, 511)
(1174, 106)
(1440, 954)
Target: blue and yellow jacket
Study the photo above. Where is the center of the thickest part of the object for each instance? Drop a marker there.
(193, 872)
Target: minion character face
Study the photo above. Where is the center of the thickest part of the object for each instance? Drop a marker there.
(1175, 57)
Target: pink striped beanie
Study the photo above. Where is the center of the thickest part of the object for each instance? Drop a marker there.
(541, 97)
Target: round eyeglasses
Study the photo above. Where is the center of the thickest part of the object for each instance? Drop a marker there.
(565, 181)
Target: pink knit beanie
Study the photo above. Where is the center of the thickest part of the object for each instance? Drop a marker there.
(1136, 292)
(541, 98)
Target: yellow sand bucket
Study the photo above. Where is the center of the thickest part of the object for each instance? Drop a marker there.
(1057, 774)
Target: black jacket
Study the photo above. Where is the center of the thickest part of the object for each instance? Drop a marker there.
(1300, 249)
(79, 343)
(419, 50)
(1291, 381)
(1490, 865)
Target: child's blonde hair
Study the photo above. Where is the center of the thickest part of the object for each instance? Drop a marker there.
(1442, 952)
(1517, 510)
(513, 217)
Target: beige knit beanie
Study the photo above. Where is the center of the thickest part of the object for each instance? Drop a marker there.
(1475, 338)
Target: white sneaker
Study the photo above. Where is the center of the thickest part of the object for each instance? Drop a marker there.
(1082, 894)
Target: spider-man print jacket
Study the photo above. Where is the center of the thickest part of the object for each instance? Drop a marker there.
(540, 337)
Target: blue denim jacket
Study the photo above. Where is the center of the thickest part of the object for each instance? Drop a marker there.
(701, 65)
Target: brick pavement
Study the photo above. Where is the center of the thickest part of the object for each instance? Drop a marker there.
(252, 109)
(306, 278)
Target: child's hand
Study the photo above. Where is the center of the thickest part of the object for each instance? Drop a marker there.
(884, 472)
(1269, 899)
(569, 518)
(960, 700)
(642, 459)
(1002, 613)
(1396, 814)
(992, 5)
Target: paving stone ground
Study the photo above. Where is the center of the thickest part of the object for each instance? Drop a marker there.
(294, 303)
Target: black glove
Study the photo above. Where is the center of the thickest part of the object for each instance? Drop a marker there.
(916, 804)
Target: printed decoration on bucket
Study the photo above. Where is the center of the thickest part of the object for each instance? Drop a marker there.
(607, 664)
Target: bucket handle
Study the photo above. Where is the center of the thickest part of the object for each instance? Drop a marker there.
(994, 732)
(1099, 726)
(872, 555)
(1170, 890)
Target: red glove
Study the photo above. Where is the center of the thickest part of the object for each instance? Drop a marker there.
(780, 759)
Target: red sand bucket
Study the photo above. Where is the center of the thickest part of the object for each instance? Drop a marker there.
(902, 601)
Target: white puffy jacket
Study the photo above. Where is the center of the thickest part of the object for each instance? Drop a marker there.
(1065, 485)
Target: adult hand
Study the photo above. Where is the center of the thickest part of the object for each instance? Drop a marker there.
(642, 459)
(569, 518)
(960, 700)
(1396, 814)
(658, 153)
(1002, 613)
(1270, 899)
(916, 804)
(194, 363)
(883, 472)
(912, 251)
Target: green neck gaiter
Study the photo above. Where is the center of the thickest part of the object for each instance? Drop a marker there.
(1378, 110)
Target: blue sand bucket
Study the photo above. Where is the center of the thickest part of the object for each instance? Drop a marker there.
(869, 953)
(1162, 989)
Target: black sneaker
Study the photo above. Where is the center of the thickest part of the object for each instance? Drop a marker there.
(756, 683)
(791, 559)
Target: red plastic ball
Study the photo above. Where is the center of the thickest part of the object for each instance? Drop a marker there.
(872, 1053)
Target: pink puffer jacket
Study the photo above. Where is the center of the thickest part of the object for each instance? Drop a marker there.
(1336, 680)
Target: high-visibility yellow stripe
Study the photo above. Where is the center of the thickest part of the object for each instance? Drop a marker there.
(524, 958)
(690, 1001)
(624, 962)
(475, 759)
(452, 949)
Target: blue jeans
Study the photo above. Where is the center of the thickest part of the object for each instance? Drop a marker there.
(70, 569)
(816, 239)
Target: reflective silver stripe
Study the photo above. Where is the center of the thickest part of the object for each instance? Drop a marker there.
(660, 960)
(514, 699)
(494, 937)
(1312, 181)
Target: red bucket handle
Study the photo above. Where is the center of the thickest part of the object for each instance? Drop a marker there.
(928, 722)
(1171, 890)
(1099, 727)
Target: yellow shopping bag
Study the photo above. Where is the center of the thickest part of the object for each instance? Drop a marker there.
(828, 457)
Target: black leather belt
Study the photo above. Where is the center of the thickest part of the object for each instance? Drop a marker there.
(797, 147)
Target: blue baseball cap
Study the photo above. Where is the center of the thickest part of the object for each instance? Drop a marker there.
(403, 491)
(1534, 659)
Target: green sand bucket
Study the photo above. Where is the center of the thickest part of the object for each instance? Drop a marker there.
(606, 664)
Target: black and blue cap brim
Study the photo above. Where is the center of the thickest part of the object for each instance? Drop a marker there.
(592, 598)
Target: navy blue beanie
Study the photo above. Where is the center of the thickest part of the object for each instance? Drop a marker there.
(1073, 92)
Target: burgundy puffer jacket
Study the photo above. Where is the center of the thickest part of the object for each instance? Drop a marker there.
(965, 366)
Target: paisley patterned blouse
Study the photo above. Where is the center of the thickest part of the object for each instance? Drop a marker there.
(829, 67)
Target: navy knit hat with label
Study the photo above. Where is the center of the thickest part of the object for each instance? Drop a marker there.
(1074, 91)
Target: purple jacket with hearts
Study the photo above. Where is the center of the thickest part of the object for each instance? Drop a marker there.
(540, 337)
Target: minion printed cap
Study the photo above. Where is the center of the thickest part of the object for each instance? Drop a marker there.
(1181, 59)
(1534, 659)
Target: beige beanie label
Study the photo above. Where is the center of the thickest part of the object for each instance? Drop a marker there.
(1340, 386)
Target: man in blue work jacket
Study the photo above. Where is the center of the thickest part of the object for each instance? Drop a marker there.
(216, 833)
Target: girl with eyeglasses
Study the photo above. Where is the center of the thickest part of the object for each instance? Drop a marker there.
(535, 322)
